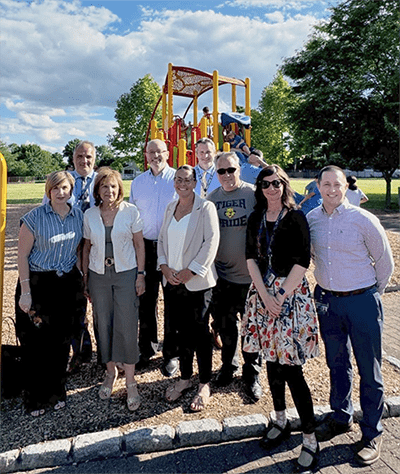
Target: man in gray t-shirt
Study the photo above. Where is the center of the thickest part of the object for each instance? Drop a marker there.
(234, 201)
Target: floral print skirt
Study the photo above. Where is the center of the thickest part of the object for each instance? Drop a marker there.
(292, 337)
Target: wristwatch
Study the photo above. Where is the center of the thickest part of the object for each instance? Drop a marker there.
(142, 273)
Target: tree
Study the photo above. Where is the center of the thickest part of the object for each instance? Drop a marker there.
(68, 151)
(133, 113)
(347, 80)
(105, 157)
(271, 124)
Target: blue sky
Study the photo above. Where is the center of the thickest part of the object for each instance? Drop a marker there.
(65, 63)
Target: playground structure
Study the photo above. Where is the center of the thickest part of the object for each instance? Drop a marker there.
(181, 138)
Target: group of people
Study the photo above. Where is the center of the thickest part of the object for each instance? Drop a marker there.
(222, 249)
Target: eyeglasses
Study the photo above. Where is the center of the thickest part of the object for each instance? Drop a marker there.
(180, 180)
(157, 152)
(276, 183)
(222, 171)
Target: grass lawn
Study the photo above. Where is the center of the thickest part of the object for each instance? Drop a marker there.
(374, 188)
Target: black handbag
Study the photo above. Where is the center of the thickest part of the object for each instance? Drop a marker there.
(11, 366)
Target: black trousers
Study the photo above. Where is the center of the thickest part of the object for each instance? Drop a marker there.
(278, 375)
(80, 339)
(46, 348)
(228, 302)
(189, 317)
(148, 309)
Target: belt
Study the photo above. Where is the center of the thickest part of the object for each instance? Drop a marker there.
(348, 293)
(109, 261)
(151, 242)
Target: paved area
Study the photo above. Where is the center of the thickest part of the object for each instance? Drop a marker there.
(245, 457)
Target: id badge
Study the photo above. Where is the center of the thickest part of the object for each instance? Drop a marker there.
(269, 277)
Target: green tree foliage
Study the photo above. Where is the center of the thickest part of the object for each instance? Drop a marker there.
(68, 151)
(105, 157)
(133, 113)
(347, 78)
(30, 160)
(271, 124)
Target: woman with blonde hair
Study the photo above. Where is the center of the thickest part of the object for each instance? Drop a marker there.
(48, 281)
(113, 268)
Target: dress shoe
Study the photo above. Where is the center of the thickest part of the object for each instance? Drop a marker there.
(224, 378)
(143, 364)
(170, 368)
(329, 428)
(370, 451)
(254, 388)
(269, 443)
(313, 456)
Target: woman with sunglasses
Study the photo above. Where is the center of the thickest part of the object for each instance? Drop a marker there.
(280, 317)
(187, 245)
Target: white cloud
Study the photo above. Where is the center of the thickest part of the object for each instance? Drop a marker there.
(64, 64)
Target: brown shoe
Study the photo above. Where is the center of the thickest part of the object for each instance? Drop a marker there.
(370, 451)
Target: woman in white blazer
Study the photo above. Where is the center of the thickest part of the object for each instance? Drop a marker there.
(187, 246)
(113, 268)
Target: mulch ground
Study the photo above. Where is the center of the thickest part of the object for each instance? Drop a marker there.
(86, 413)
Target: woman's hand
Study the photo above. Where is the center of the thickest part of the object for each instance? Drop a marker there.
(170, 274)
(271, 305)
(185, 275)
(25, 302)
(140, 285)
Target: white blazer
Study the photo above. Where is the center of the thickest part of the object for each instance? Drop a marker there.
(200, 246)
(126, 223)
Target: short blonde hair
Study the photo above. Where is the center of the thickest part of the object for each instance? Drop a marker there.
(103, 174)
(55, 178)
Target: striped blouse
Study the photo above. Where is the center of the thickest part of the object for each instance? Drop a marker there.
(56, 240)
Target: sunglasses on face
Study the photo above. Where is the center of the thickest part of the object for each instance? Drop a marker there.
(276, 183)
(222, 171)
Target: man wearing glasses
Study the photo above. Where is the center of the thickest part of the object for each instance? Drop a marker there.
(151, 192)
(234, 201)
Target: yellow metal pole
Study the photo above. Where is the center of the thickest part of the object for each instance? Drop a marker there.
(153, 128)
(247, 110)
(226, 147)
(215, 110)
(3, 216)
(181, 152)
(164, 110)
(195, 105)
(203, 127)
(170, 95)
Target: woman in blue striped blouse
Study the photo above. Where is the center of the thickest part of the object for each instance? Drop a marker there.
(46, 292)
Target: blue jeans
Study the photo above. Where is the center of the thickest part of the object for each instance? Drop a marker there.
(354, 322)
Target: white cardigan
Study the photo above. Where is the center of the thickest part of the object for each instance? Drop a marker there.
(126, 223)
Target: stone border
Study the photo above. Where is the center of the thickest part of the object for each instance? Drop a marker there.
(116, 442)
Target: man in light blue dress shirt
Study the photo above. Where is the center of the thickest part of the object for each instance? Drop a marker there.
(151, 192)
(207, 179)
(353, 264)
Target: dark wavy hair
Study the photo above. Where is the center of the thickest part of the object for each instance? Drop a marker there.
(288, 192)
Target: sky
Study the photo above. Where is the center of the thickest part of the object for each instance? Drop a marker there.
(65, 63)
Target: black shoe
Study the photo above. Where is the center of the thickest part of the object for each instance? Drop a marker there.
(370, 451)
(254, 388)
(312, 465)
(143, 364)
(170, 368)
(268, 443)
(224, 378)
(329, 428)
